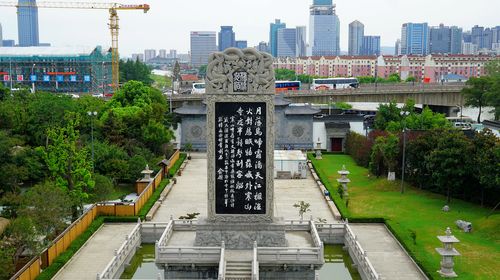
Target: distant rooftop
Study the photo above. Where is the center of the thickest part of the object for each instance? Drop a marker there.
(46, 51)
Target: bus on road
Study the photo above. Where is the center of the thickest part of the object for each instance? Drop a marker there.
(287, 85)
(334, 83)
(198, 88)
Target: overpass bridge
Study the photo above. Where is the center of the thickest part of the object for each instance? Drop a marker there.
(440, 97)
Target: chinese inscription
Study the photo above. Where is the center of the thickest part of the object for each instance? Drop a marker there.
(240, 158)
(240, 81)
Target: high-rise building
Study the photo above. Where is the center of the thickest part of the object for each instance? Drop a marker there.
(356, 34)
(469, 48)
(149, 54)
(445, 39)
(226, 38)
(27, 24)
(1, 36)
(241, 44)
(371, 45)
(263, 47)
(496, 34)
(467, 37)
(397, 47)
(301, 49)
(172, 54)
(203, 43)
(477, 36)
(138, 56)
(162, 53)
(287, 42)
(415, 38)
(273, 36)
(324, 29)
(9, 43)
(487, 38)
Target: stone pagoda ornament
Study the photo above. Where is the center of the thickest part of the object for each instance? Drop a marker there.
(343, 180)
(318, 149)
(147, 173)
(447, 254)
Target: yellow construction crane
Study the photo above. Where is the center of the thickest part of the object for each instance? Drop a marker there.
(113, 23)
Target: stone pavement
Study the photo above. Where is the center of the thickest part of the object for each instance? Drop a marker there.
(97, 252)
(387, 257)
(189, 195)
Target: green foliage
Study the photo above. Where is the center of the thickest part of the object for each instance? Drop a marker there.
(493, 95)
(202, 71)
(156, 135)
(411, 79)
(303, 208)
(486, 161)
(342, 105)
(68, 163)
(135, 71)
(475, 93)
(22, 236)
(284, 75)
(387, 114)
(103, 189)
(7, 266)
(340, 191)
(386, 148)
(359, 147)
(48, 215)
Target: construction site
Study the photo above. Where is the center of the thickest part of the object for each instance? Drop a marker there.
(65, 70)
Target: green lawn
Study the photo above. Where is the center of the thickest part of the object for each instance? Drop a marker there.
(418, 211)
(161, 82)
(122, 190)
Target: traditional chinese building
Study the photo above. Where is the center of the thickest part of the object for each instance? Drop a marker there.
(293, 125)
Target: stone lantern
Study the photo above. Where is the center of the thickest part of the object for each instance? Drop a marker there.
(318, 149)
(142, 183)
(447, 253)
(344, 180)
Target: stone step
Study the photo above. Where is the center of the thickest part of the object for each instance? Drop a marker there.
(238, 270)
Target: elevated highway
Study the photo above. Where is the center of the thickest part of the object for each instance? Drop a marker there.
(435, 95)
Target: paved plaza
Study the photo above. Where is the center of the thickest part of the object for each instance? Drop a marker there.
(97, 252)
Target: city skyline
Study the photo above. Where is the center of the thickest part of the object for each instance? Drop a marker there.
(91, 26)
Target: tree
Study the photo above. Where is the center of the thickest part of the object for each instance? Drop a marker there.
(386, 114)
(135, 71)
(48, 215)
(493, 95)
(176, 71)
(22, 236)
(476, 92)
(102, 190)
(388, 148)
(202, 71)
(303, 208)
(487, 161)
(68, 163)
(285, 75)
(155, 135)
(448, 166)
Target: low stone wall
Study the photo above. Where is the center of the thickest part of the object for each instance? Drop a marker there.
(331, 205)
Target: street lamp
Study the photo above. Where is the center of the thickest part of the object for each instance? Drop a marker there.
(92, 115)
(404, 114)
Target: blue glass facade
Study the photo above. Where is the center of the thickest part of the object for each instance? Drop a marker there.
(371, 45)
(27, 24)
(203, 43)
(241, 44)
(273, 36)
(287, 42)
(226, 38)
(415, 38)
(322, 2)
(324, 32)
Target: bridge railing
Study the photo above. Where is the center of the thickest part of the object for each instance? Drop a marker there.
(359, 255)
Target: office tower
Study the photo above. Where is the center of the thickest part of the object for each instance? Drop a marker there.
(287, 42)
(397, 47)
(172, 54)
(415, 38)
(138, 56)
(467, 37)
(469, 48)
(356, 34)
(456, 40)
(203, 43)
(477, 36)
(496, 35)
(324, 29)
(1, 37)
(445, 39)
(27, 24)
(241, 44)
(9, 43)
(226, 38)
(263, 47)
(487, 38)
(149, 54)
(273, 34)
(301, 49)
(162, 53)
(371, 45)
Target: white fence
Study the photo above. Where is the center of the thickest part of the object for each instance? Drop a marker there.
(122, 255)
(359, 255)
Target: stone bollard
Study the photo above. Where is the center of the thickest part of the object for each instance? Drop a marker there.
(447, 253)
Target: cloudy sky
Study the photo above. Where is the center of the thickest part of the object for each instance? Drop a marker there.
(168, 23)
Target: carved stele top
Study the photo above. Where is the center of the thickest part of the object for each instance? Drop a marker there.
(240, 71)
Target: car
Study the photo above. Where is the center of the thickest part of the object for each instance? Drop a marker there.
(169, 92)
(98, 95)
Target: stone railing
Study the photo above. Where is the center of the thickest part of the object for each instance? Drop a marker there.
(288, 255)
(359, 255)
(297, 225)
(222, 263)
(122, 255)
(187, 254)
(169, 230)
(255, 262)
(331, 233)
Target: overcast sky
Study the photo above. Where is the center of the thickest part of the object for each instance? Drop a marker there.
(168, 23)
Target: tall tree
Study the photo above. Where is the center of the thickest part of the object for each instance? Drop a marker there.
(388, 148)
(68, 163)
(493, 95)
(476, 92)
(487, 161)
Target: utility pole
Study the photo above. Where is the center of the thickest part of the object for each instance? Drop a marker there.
(92, 115)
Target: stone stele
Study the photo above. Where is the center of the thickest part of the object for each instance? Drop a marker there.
(240, 76)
